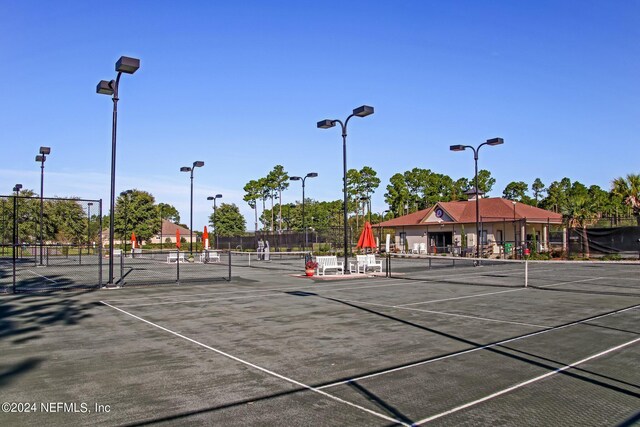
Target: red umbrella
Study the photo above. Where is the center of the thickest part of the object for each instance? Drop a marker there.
(133, 240)
(205, 238)
(177, 238)
(366, 238)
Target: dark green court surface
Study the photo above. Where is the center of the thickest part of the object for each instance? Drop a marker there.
(449, 347)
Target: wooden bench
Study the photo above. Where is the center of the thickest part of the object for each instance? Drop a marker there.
(175, 256)
(212, 256)
(371, 263)
(360, 264)
(329, 263)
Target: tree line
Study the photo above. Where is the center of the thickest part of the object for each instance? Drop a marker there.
(67, 220)
(418, 189)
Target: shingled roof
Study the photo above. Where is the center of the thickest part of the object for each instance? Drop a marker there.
(494, 209)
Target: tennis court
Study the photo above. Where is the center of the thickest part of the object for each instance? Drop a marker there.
(440, 346)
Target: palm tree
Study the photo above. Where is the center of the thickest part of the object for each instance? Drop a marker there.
(628, 189)
(581, 213)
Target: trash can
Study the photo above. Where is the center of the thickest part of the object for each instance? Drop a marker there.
(507, 248)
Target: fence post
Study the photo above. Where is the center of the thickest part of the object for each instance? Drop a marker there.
(229, 262)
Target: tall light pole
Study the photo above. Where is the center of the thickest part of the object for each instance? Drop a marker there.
(367, 200)
(89, 226)
(303, 179)
(493, 141)
(42, 157)
(215, 227)
(196, 164)
(128, 66)
(125, 196)
(362, 111)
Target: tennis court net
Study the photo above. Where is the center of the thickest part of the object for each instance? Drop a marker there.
(597, 277)
(287, 261)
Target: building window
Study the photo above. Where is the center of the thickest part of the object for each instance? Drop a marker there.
(499, 238)
(483, 237)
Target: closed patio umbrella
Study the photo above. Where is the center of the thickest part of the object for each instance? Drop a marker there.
(205, 238)
(366, 239)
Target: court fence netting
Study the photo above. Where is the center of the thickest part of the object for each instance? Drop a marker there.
(614, 278)
(50, 244)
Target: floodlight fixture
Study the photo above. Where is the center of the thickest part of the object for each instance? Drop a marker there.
(127, 65)
(457, 148)
(104, 88)
(198, 164)
(363, 111)
(326, 124)
(185, 169)
(495, 141)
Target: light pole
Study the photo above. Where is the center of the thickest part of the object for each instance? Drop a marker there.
(215, 227)
(492, 141)
(129, 66)
(196, 164)
(125, 196)
(89, 227)
(42, 157)
(362, 111)
(303, 179)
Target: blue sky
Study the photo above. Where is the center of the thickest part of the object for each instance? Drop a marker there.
(241, 85)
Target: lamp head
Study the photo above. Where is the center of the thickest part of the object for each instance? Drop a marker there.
(17, 187)
(363, 111)
(312, 174)
(457, 148)
(104, 88)
(218, 196)
(185, 169)
(294, 178)
(127, 65)
(210, 197)
(198, 164)
(45, 150)
(495, 141)
(326, 124)
(40, 158)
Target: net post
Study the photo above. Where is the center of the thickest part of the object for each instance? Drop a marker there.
(121, 281)
(526, 273)
(178, 267)
(229, 279)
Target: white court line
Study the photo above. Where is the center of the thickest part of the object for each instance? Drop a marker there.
(280, 288)
(472, 350)
(244, 362)
(44, 277)
(488, 319)
(498, 292)
(259, 295)
(525, 383)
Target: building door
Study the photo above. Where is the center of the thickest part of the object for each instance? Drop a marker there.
(441, 240)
